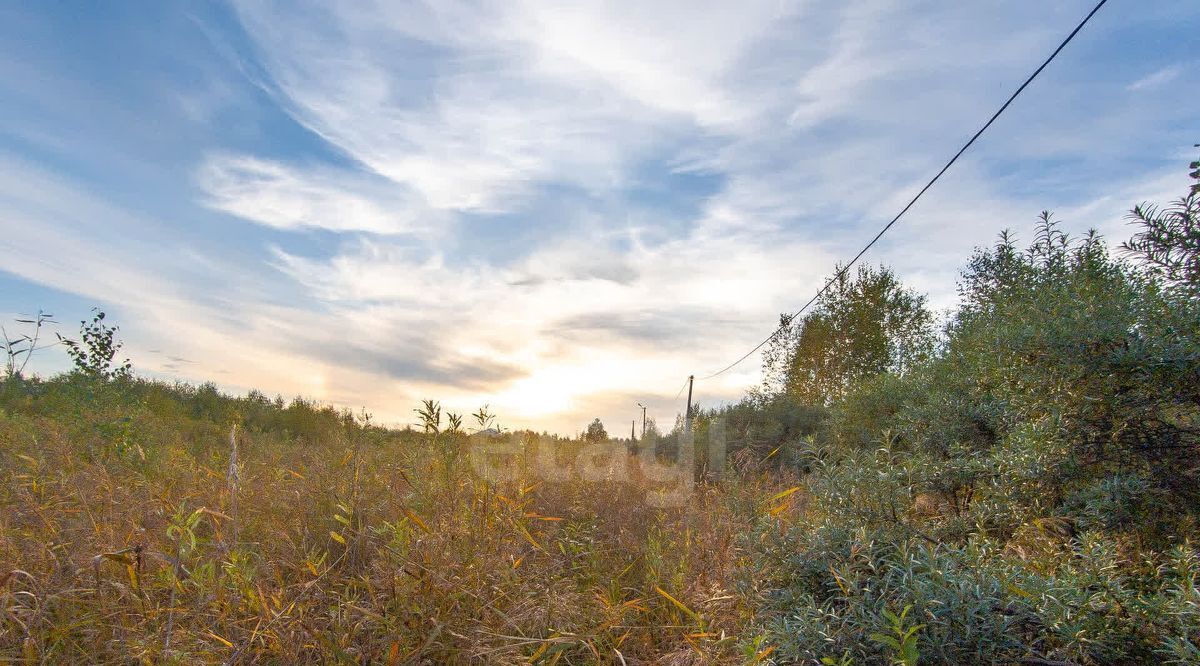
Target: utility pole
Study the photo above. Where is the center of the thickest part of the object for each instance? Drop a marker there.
(687, 445)
(643, 420)
(633, 430)
(688, 423)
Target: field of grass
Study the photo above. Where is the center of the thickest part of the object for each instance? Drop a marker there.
(150, 523)
(126, 537)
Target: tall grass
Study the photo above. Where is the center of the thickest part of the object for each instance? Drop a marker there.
(186, 545)
(137, 524)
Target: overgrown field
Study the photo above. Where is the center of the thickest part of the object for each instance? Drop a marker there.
(125, 537)
(1017, 485)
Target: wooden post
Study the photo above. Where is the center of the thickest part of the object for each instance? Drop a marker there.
(688, 423)
(687, 444)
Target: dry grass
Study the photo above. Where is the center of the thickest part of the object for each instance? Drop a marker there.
(365, 548)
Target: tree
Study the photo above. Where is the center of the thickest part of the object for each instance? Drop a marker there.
(863, 325)
(776, 360)
(595, 432)
(1065, 356)
(1169, 241)
(96, 349)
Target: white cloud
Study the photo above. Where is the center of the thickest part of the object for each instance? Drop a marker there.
(672, 57)
(284, 197)
(819, 122)
(662, 180)
(679, 306)
(832, 84)
(469, 130)
(1156, 79)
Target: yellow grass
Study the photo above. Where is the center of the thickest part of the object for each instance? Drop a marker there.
(367, 547)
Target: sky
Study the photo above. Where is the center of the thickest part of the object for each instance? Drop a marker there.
(560, 209)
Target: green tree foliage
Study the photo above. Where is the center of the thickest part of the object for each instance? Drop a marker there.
(596, 432)
(1031, 489)
(1066, 340)
(865, 324)
(1063, 371)
(1168, 242)
(771, 429)
(95, 351)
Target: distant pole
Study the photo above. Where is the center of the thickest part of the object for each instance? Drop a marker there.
(687, 447)
(633, 430)
(688, 422)
(643, 420)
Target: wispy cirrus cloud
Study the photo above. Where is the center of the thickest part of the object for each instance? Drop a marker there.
(287, 197)
(561, 209)
(1157, 78)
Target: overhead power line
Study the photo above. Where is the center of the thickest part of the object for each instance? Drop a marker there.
(680, 391)
(928, 185)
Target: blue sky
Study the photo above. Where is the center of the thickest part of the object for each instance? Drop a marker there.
(558, 208)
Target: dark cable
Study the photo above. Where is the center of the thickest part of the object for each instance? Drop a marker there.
(928, 185)
(680, 391)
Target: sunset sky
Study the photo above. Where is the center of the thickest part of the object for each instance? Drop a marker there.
(560, 209)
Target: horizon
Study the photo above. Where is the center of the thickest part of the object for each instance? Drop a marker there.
(557, 212)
